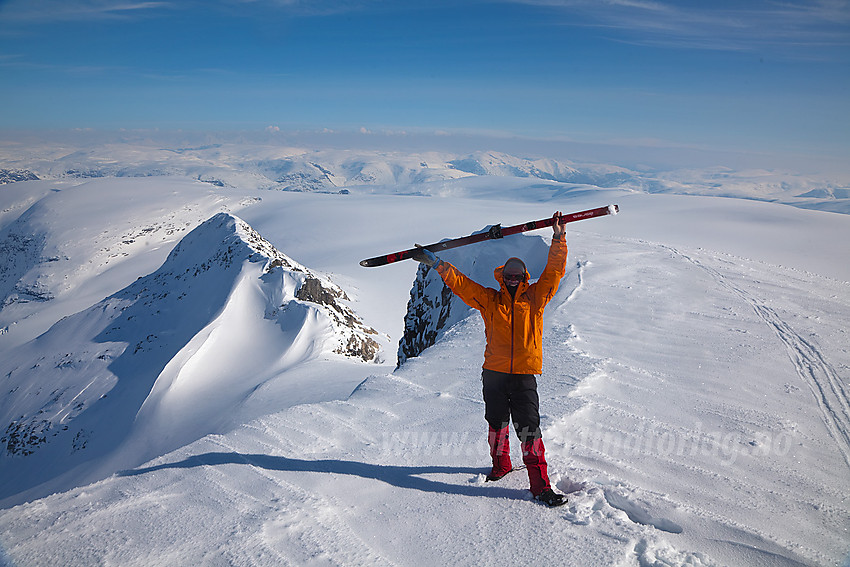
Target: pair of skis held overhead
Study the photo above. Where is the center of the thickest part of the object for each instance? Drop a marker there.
(496, 231)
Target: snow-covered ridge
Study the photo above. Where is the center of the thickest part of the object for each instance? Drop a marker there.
(504, 165)
(226, 313)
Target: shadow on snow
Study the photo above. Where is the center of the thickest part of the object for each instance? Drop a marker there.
(402, 477)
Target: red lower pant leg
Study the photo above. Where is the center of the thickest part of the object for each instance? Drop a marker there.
(533, 455)
(500, 450)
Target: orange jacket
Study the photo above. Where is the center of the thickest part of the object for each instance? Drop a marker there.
(513, 325)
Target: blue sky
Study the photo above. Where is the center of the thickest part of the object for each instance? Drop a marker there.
(748, 75)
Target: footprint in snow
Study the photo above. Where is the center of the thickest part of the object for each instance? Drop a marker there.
(638, 515)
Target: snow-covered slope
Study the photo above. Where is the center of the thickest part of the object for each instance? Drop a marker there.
(694, 392)
(675, 414)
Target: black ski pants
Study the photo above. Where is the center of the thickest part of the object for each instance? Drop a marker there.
(512, 397)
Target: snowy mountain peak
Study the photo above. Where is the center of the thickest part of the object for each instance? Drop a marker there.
(238, 242)
(233, 239)
(224, 315)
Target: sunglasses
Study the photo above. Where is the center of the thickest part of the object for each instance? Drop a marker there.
(513, 277)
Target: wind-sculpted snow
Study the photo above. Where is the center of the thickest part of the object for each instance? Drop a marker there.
(224, 314)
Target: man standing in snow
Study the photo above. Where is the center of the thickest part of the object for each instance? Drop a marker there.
(513, 325)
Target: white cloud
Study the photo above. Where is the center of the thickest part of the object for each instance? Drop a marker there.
(59, 10)
(311, 7)
(742, 26)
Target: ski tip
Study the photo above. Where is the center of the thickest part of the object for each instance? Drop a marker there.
(613, 209)
(374, 262)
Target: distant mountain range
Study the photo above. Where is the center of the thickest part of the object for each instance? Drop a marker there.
(270, 167)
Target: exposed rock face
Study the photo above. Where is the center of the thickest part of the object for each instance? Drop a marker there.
(20, 250)
(16, 175)
(429, 310)
(355, 344)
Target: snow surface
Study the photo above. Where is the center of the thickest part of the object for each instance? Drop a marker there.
(694, 393)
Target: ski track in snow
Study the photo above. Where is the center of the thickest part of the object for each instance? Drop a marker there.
(825, 383)
(592, 407)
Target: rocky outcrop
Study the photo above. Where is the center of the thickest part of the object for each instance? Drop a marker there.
(16, 175)
(430, 310)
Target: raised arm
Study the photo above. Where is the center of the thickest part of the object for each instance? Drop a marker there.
(556, 265)
(472, 293)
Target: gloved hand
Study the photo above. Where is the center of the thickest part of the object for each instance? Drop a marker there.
(558, 229)
(425, 256)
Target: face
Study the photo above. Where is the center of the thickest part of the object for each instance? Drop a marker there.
(513, 278)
